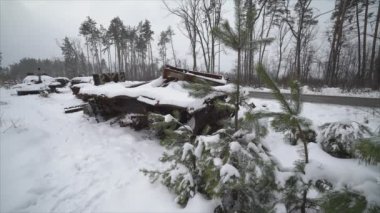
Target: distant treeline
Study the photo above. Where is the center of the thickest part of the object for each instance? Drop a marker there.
(118, 48)
(17, 71)
(350, 58)
(290, 50)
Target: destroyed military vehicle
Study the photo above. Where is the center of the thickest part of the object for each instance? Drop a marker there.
(168, 94)
(78, 82)
(36, 84)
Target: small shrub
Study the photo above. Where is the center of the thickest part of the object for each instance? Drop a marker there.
(339, 138)
(229, 165)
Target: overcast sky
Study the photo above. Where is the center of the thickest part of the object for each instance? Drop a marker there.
(32, 28)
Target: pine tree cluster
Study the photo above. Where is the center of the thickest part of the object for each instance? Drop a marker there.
(229, 165)
(233, 166)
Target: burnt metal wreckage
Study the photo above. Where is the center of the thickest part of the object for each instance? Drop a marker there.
(37, 84)
(131, 108)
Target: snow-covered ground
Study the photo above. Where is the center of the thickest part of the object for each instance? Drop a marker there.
(330, 91)
(340, 172)
(56, 162)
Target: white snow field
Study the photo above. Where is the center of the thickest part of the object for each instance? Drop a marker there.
(350, 173)
(56, 162)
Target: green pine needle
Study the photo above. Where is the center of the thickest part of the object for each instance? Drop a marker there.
(275, 90)
(368, 150)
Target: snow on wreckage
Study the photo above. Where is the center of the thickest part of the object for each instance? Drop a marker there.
(36, 84)
(130, 102)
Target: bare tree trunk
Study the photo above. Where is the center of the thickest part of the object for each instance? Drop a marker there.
(280, 59)
(88, 58)
(204, 47)
(188, 11)
(237, 92)
(298, 57)
(377, 70)
(337, 41)
(93, 63)
(128, 59)
(219, 57)
(151, 59)
(194, 49)
(375, 84)
(359, 42)
(250, 58)
(304, 20)
(251, 30)
(267, 33)
(115, 57)
(282, 34)
(109, 59)
(261, 36)
(100, 58)
(174, 57)
(364, 62)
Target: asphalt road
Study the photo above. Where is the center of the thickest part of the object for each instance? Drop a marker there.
(341, 100)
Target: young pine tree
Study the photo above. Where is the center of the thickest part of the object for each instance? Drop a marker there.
(229, 165)
(289, 119)
(237, 39)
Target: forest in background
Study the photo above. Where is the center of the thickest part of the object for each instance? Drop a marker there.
(288, 28)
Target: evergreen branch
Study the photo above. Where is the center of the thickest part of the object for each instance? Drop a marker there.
(275, 90)
(226, 35)
(368, 150)
(198, 89)
(289, 119)
(340, 201)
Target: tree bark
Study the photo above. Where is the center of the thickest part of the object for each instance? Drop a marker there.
(364, 62)
(337, 41)
(375, 84)
(237, 92)
(88, 58)
(359, 42)
(174, 57)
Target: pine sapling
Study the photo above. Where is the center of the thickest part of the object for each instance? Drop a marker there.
(289, 118)
(229, 165)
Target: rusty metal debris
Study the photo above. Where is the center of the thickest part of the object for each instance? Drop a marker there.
(108, 77)
(174, 73)
(76, 108)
